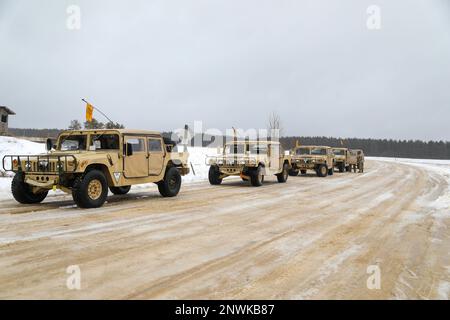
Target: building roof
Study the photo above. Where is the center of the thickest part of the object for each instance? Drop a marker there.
(8, 110)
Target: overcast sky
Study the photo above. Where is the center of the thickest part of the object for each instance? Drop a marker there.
(161, 64)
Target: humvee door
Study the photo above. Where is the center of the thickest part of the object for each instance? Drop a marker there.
(136, 161)
(155, 156)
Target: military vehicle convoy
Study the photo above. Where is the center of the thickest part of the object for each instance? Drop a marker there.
(251, 160)
(320, 159)
(86, 163)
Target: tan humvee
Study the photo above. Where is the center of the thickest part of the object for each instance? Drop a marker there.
(343, 159)
(318, 158)
(86, 163)
(251, 160)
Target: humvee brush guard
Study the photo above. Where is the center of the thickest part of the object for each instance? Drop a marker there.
(86, 163)
(317, 158)
(251, 160)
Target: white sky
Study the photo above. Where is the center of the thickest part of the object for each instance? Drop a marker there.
(161, 64)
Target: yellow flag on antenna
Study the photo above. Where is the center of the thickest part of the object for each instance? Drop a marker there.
(89, 112)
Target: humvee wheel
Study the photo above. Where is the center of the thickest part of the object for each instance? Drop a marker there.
(257, 177)
(331, 171)
(91, 190)
(22, 191)
(303, 171)
(361, 168)
(293, 172)
(342, 167)
(120, 190)
(170, 186)
(213, 175)
(322, 170)
(348, 168)
(283, 175)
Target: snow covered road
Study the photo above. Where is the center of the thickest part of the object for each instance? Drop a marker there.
(309, 238)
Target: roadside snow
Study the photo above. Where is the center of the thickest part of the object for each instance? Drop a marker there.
(12, 146)
(440, 167)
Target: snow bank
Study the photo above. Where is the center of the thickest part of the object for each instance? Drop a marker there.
(10, 145)
(197, 158)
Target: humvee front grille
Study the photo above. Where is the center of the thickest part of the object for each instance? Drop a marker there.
(40, 164)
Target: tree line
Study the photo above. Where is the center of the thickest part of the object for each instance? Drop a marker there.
(74, 125)
(417, 149)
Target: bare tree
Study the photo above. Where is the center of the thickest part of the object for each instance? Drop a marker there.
(274, 124)
(75, 125)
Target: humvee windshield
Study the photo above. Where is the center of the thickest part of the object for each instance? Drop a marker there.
(241, 148)
(319, 151)
(72, 142)
(338, 152)
(301, 151)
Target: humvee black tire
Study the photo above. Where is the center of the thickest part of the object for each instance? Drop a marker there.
(342, 167)
(170, 186)
(283, 175)
(213, 175)
(348, 168)
(120, 190)
(293, 172)
(257, 177)
(22, 191)
(322, 170)
(331, 171)
(303, 171)
(361, 167)
(90, 190)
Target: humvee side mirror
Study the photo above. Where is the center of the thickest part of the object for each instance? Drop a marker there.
(49, 144)
(129, 149)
